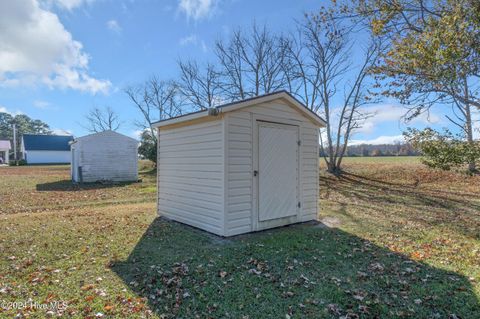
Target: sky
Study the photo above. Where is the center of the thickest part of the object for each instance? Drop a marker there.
(60, 58)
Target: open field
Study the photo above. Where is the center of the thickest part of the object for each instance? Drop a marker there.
(410, 160)
(29, 189)
(402, 241)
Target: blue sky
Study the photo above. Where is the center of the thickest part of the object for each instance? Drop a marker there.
(59, 58)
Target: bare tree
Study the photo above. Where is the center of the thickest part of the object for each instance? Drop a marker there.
(102, 119)
(315, 65)
(321, 72)
(251, 63)
(301, 70)
(201, 89)
(156, 100)
(232, 67)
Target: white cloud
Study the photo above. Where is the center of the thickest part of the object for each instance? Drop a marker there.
(35, 48)
(476, 125)
(136, 134)
(197, 9)
(392, 113)
(193, 40)
(203, 46)
(113, 25)
(39, 104)
(190, 39)
(380, 140)
(3, 109)
(67, 4)
(59, 131)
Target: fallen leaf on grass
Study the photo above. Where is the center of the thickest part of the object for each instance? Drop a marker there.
(376, 267)
(254, 271)
(334, 309)
(361, 274)
(416, 255)
(49, 298)
(359, 295)
(108, 308)
(87, 287)
(363, 309)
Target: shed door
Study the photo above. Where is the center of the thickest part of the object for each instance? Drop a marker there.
(278, 170)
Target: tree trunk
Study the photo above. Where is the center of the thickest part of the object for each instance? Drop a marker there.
(332, 167)
(472, 168)
(468, 128)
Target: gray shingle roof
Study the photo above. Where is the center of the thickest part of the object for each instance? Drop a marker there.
(46, 142)
(219, 107)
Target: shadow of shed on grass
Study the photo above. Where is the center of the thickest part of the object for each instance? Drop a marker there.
(301, 270)
(68, 186)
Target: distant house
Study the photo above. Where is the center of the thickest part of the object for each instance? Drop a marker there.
(4, 151)
(104, 156)
(46, 149)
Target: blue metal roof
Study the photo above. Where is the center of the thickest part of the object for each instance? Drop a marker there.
(46, 142)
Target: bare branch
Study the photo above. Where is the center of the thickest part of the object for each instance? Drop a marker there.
(156, 100)
(102, 119)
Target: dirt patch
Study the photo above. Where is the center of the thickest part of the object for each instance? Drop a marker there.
(330, 222)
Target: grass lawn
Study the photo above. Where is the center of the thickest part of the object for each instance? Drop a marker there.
(400, 241)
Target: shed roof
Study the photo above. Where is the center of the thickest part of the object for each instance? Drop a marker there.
(5, 145)
(33, 142)
(245, 103)
(104, 133)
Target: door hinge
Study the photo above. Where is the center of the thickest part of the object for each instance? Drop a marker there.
(299, 205)
(299, 143)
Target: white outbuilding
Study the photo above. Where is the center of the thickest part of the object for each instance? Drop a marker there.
(4, 151)
(104, 156)
(240, 167)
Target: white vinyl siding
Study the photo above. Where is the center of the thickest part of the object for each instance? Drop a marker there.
(240, 160)
(48, 157)
(205, 168)
(309, 172)
(106, 156)
(239, 173)
(191, 174)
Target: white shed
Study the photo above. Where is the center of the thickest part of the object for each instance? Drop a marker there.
(240, 167)
(4, 151)
(104, 156)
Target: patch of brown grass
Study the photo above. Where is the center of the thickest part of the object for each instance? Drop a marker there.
(411, 209)
(43, 188)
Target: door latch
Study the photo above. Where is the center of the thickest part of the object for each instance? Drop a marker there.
(255, 173)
